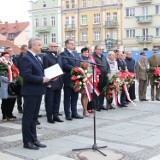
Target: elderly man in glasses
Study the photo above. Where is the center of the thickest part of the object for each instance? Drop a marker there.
(53, 92)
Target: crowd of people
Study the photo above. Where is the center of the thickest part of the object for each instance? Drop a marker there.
(33, 83)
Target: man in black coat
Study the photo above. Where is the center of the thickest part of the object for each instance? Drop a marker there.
(53, 92)
(122, 67)
(32, 90)
(69, 57)
(18, 59)
(130, 62)
(103, 77)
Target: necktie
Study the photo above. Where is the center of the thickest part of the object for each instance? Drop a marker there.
(73, 54)
(39, 61)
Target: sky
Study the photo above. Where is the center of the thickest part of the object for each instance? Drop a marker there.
(12, 10)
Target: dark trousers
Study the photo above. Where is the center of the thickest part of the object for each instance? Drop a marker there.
(123, 98)
(30, 116)
(52, 102)
(19, 102)
(100, 101)
(7, 107)
(70, 101)
(157, 92)
(132, 91)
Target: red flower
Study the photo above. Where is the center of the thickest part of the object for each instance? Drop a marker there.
(83, 91)
(157, 71)
(110, 92)
(73, 77)
(76, 69)
(84, 65)
(111, 86)
(77, 82)
(75, 89)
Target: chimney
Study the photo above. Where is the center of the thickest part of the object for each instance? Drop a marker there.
(6, 27)
(16, 23)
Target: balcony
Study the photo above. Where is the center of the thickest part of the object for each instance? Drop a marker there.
(70, 27)
(111, 24)
(111, 43)
(144, 1)
(43, 29)
(144, 19)
(144, 39)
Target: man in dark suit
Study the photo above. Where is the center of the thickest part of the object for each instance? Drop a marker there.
(32, 90)
(18, 60)
(121, 67)
(53, 92)
(70, 96)
(103, 77)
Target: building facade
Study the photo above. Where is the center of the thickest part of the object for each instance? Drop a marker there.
(45, 21)
(141, 25)
(92, 22)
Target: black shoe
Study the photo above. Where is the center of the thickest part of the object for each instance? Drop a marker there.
(39, 115)
(30, 146)
(124, 105)
(152, 99)
(57, 119)
(69, 118)
(145, 99)
(13, 116)
(77, 116)
(157, 99)
(60, 114)
(38, 144)
(50, 120)
(103, 108)
(98, 109)
(37, 122)
(141, 100)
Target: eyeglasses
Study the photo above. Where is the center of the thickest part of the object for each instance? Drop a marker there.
(53, 46)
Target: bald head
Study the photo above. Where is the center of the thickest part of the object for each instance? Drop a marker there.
(53, 47)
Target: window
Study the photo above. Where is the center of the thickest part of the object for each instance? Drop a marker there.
(53, 21)
(115, 1)
(96, 2)
(83, 3)
(96, 18)
(67, 20)
(73, 36)
(84, 19)
(45, 39)
(108, 17)
(115, 16)
(73, 4)
(158, 32)
(89, 3)
(107, 35)
(67, 4)
(67, 36)
(11, 35)
(84, 36)
(157, 9)
(130, 33)
(130, 12)
(72, 20)
(108, 2)
(44, 21)
(36, 22)
(53, 36)
(96, 36)
(115, 35)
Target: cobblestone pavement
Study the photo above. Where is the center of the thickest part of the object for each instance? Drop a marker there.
(130, 133)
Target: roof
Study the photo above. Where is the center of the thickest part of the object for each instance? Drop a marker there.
(10, 44)
(3, 37)
(11, 30)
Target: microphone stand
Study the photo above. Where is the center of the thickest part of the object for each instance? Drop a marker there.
(95, 146)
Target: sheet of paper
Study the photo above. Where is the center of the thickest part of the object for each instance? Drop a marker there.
(53, 71)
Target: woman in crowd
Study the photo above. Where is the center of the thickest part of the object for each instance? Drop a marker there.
(84, 98)
(5, 78)
(113, 70)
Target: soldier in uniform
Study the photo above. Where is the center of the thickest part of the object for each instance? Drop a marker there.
(153, 62)
(142, 76)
